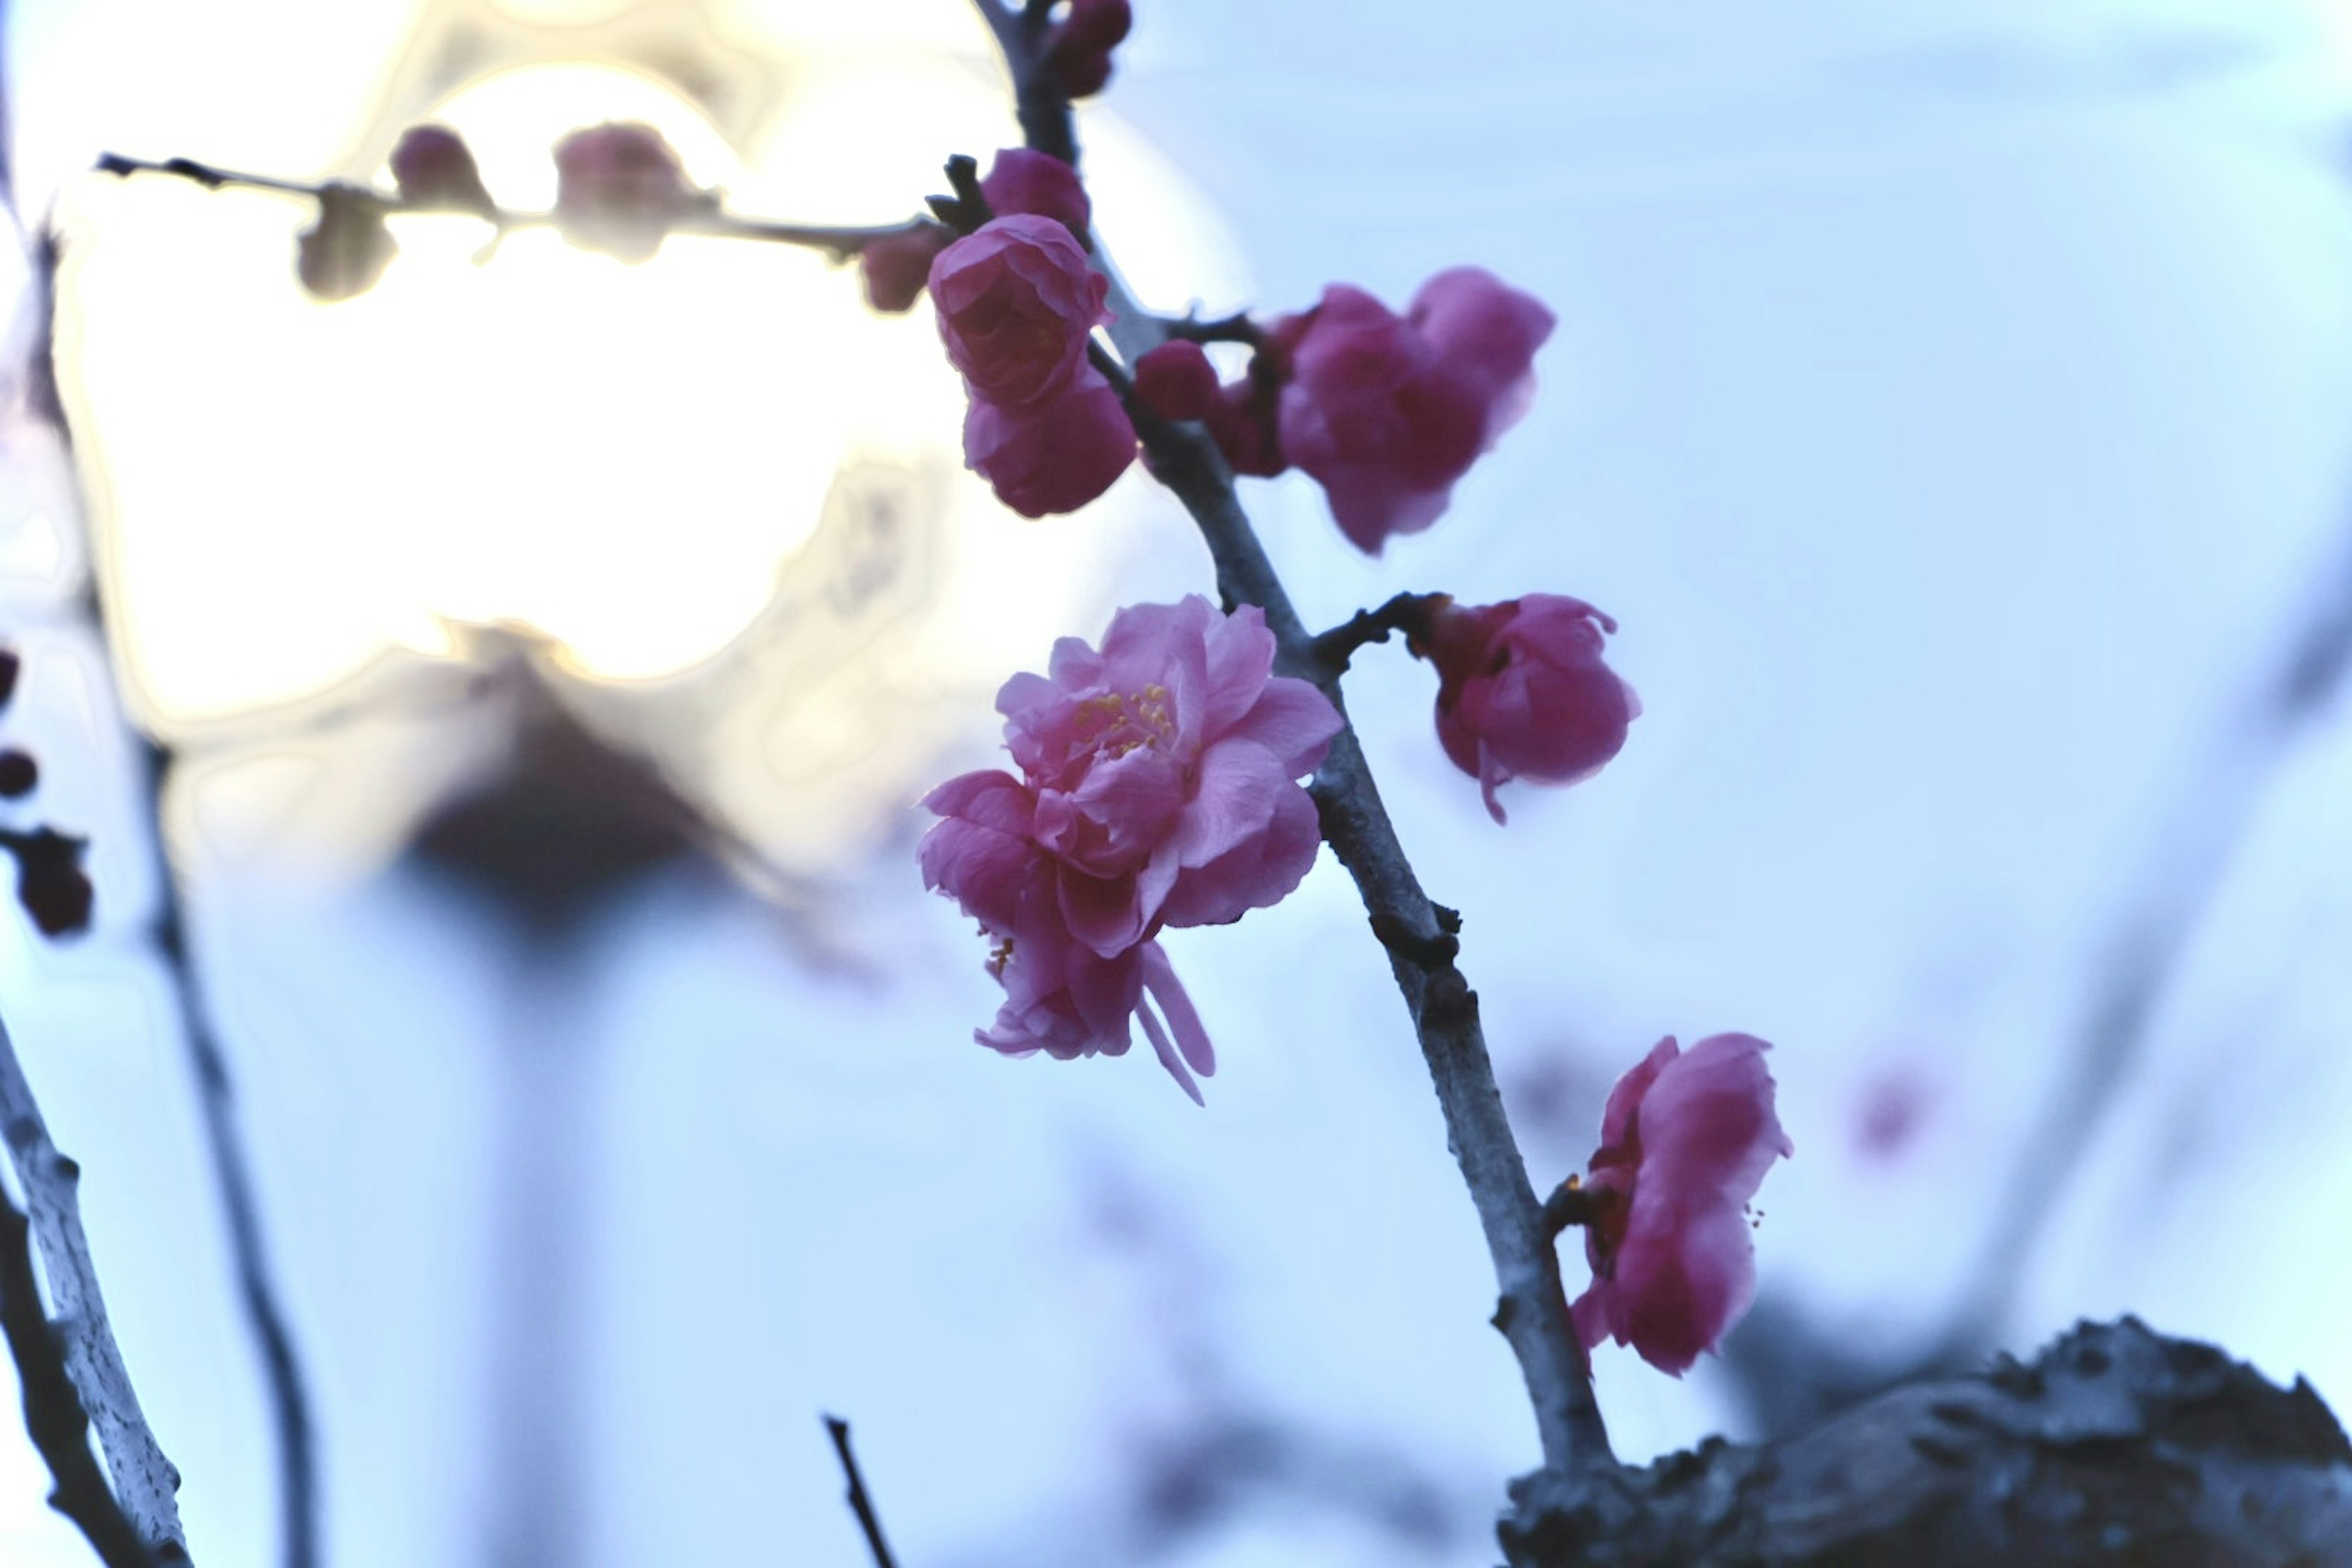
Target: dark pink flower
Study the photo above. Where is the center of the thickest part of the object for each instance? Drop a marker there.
(1243, 420)
(435, 171)
(1389, 412)
(1024, 181)
(894, 268)
(1054, 455)
(620, 190)
(1176, 380)
(1015, 301)
(1157, 788)
(1522, 690)
(1079, 51)
(1685, 1142)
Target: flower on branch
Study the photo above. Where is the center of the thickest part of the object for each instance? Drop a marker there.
(1017, 300)
(51, 882)
(1079, 51)
(1685, 1142)
(1388, 412)
(1023, 181)
(894, 268)
(346, 251)
(434, 171)
(1176, 380)
(1522, 691)
(1157, 788)
(620, 190)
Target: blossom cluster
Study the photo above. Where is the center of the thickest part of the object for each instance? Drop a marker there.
(1157, 788)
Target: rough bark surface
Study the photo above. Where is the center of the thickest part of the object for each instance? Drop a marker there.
(2115, 1446)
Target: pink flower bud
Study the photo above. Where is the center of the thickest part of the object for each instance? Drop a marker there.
(1157, 788)
(435, 171)
(1389, 412)
(1522, 690)
(1015, 301)
(1054, 455)
(1022, 181)
(1079, 51)
(346, 250)
(1685, 1142)
(894, 268)
(1176, 380)
(620, 190)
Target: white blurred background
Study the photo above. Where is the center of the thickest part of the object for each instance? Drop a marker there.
(1950, 400)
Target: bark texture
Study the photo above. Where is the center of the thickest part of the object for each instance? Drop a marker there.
(2117, 1445)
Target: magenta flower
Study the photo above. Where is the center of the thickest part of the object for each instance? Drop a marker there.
(1023, 181)
(1054, 455)
(1079, 51)
(1176, 380)
(894, 268)
(1522, 690)
(1685, 1142)
(1015, 300)
(1157, 788)
(620, 190)
(1388, 412)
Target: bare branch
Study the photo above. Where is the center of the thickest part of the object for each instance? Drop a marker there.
(145, 1482)
(859, 1503)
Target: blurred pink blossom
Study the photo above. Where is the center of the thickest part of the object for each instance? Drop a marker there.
(435, 171)
(894, 268)
(1685, 1142)
(1176, 380)
(1157, 788)
(1079, 51)
(620, 189)
(1522, 690)
(1387, 412)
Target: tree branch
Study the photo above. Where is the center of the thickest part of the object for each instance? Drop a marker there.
(144, 1481)
(859, 1503)
(2118, 1447)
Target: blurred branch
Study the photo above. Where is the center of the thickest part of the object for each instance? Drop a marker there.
(840, 243)
(1038, 99)
(859, 1503)
(97, 1385)
(216, 1092)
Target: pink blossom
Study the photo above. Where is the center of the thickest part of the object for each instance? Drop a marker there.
(1015, 300)
(1387, 412)
(1243, 422)
(1079, 51)
(344, 253)
(620, 189)
(435, 171)
(1685, 1142)
(1157, 789)
(1522, 690)
(1176, 380)
(1023, 181)
(894, 268)
(1056, 455)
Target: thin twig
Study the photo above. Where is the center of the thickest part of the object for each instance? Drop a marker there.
(859, 1503)
(54, 1415)
(215, 1092)
(839, 242)
(144, 1481)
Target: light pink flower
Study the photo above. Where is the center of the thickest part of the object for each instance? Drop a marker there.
(1022, 180)
(1685, 1142)
(894, 268)
(1522, 690)
(1054, 455)
(1157, 789)
(1016, 300)
(1389, 412)
(1079, 51)
(620, 189)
